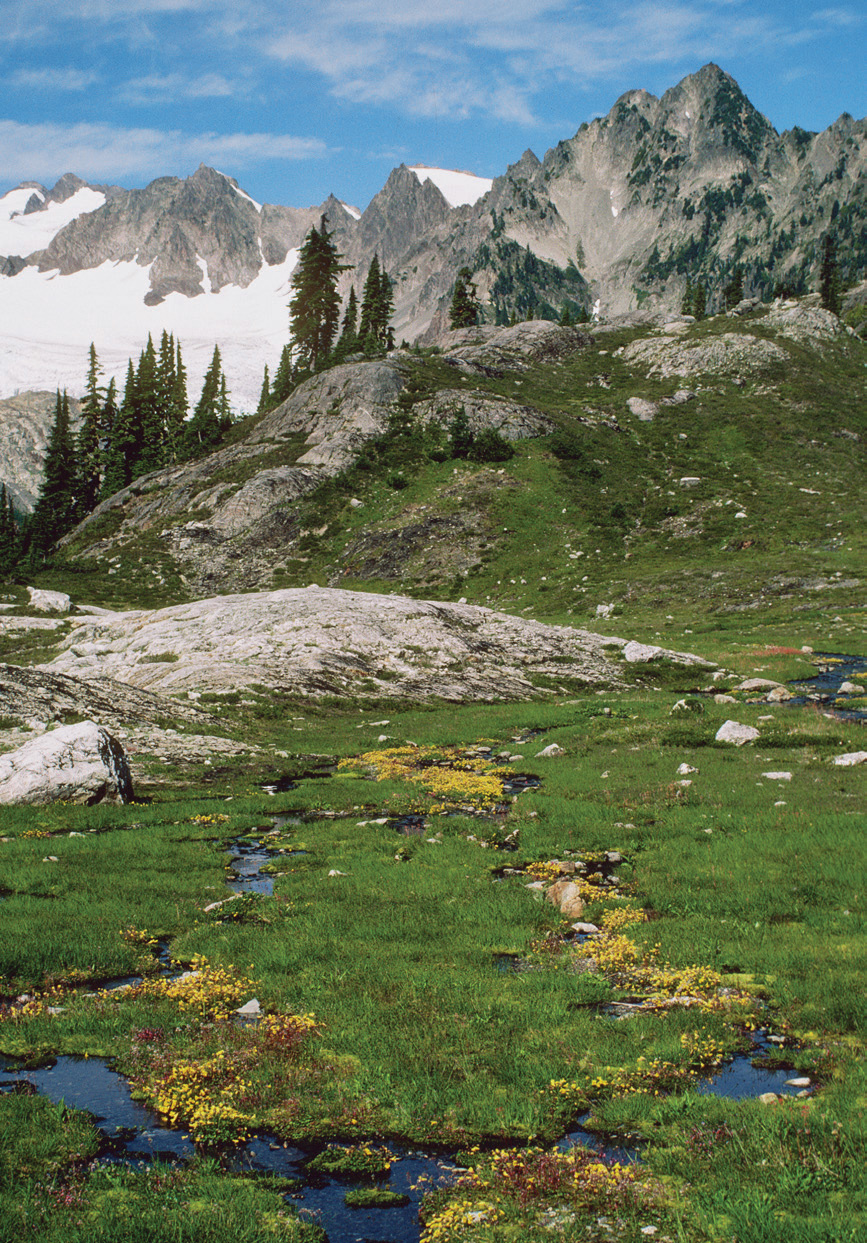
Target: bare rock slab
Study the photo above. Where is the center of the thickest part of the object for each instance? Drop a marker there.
(80, 763)
(317, 640)
(734, 732)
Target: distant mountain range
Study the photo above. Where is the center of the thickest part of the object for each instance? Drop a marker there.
(690, 186)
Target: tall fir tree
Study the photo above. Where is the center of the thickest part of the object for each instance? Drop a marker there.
(88, 447)
(264, 393)
(464, 309)
(284, 377)
(203, 431)
(315, 305)
(54, 512)
(829, 275)
(121, 454)
(8, 532)
(375, 334)
(151, 412)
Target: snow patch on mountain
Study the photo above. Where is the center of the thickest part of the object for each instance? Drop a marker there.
(47, 322)
(458, 189)
(22, 235)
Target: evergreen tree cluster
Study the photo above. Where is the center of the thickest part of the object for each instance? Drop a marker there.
(315, 317)
(117, 441)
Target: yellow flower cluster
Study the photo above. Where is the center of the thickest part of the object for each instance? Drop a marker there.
(138, 936)
(214, 818)
(443, 773)
(548, 870)
(209, 990)
(451, 1222)
(36, 833)
(703, 1050)
(624, 962)
(202, 1096)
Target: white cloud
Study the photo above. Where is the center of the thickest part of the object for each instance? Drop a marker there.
(99, 152)
(163, 88)
(53, 79)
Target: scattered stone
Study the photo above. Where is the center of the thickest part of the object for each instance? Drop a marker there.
(589, 929)
(757, 684)
(850, 688)
(801, 1082)
(549, 752)
(734, 732)
(49, 601)
(685, 769)
(768, 1098)
(850, 759)
(724, 699)
(689, 481)
(688, 707)
(566, 895)
(80, 763)
(335, 872)
(644, 410)
(778, 695)
(606, 610)
(250, 1007)
(50, 859)
(778, 776)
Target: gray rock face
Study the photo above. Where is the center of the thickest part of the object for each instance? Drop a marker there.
(728, 355)
(49, 601)
(484, 412)
(492, 350)
(319, 641)
(78, 763)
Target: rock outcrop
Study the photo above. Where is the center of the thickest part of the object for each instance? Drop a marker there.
(76, 764)
(329, 642)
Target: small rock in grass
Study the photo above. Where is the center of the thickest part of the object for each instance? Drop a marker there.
(724, 699)
(736, 733)
(768, 1098)
(850, 759)
(50, 859)
(778, 776)
(802, 1081)
(778, 695)
(250, 1007)
(757, 684)
(589, 929)
(549, 752)
(335, 872)
(566, 895)
(685, 769)
(850, 688)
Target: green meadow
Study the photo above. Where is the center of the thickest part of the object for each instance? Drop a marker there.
(388, 1013)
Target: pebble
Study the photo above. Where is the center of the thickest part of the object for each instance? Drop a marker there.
(802, 1081)
(778, 776)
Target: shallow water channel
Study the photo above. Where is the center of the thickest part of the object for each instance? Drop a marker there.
(133, 1133)
(833, 669)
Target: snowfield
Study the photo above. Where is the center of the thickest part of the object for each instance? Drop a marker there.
(458, 189)
(47, 322)
(22, 235)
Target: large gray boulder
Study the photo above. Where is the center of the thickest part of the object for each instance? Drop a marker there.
(76, 764)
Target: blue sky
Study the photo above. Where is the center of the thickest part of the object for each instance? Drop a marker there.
(298, 100)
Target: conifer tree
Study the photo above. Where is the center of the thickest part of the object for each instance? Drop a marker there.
(8, 532)
(348, 342)
(829, 277)
(315, 304)
(284, 377)
(151, 413)
(180, 404)
(464, 310)
(375, 334)
(265, 393)
(54, 512)
(88, 453)
(122, 450)
(203, 431)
